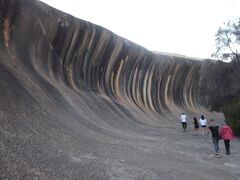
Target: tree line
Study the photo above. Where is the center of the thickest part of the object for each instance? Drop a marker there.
(220, 84)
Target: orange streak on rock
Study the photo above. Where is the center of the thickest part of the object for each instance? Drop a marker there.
(6, 32)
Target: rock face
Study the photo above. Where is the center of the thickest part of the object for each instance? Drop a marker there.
(82, 56)
(79, 102)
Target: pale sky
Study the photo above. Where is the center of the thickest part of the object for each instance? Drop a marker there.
(184, 27)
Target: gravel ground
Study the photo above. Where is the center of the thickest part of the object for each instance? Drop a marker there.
(44, 142)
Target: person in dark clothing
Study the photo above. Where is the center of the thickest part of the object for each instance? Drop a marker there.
(196, 126)
(215, 135)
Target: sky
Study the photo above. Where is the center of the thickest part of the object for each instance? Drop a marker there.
(185, 27)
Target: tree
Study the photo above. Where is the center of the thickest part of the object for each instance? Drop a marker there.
(228, 41)
(224, 84)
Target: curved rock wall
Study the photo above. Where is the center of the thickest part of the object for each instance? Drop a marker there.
(79, 102)
(60, 49)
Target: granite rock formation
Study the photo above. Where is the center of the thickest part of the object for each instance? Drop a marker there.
(79, 102)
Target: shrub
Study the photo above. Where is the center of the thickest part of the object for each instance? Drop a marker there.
(231, 111)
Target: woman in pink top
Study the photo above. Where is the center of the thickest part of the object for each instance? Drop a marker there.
(226, 134)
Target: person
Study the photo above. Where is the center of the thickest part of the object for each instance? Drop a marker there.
(226, 134)
(196, 126)
(203, 124)
(214, 129)
(183, 118)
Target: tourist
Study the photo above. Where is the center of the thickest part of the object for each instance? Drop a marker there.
(203, 124)
(196, 126)
(183, 118)
(226, 134)
(215, 135)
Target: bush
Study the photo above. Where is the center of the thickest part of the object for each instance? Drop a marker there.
(231, 111)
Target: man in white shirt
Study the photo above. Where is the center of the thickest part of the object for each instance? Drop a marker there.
(183, 118)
